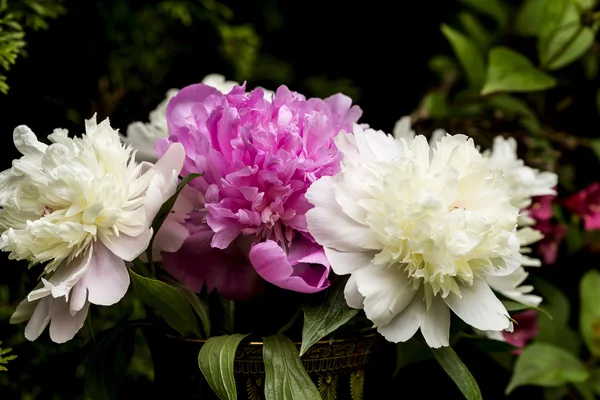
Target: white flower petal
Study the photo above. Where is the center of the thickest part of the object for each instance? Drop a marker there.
(63, 325)
(402, 129)
(387, 292)
(344, 263)
(510, 286)
(405, 325)
(435, 325)
(23, 312)
(39, 319)
(107, 278)
(479, 307)
(352, 295)
(125, 246)
(330, 226)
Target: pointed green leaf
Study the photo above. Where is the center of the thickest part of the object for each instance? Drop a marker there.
(458, 371)
(170, 303)
(589, 317)
(286, 378)
(529, 16)
(475, 30)
(469, 55)
(564, 41)
(542, 364)
(322, 320)
(492, 8)
(216, 360)
(509, 71)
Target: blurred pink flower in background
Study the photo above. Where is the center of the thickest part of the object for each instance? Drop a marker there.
(258, 158)
(525, 330)
(541, 211)
(586, 203)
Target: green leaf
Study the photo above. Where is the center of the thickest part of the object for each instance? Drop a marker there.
(555, 301)
(442, 65)
(514, 108)
(586, 4)
(542, 364)
(215, 360)
(330, 315)
(585, 390)
(169, 302)
(595, 143)
(574, 238)
(493, 8)
(563, 39)
(458, 371)
(468, 54)
(595, 381)
(509, 71)
(286, 378)
(513, 306)
(589, 317)
(556, 393)
(475, 30)
(529, 16)
(436, 104)
(557, 334)
(107, 361)
(199, 306)
(410, 352)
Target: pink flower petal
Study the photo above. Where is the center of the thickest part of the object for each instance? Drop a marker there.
(271, 262)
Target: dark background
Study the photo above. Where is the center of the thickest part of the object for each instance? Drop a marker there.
(73, 70)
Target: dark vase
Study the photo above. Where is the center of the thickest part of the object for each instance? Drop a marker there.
(339, 368)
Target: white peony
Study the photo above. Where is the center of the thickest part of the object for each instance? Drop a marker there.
(523, 183)
(81, 206)
(143, 135)
(420, 230)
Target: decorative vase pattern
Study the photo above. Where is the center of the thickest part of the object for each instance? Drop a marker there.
(336, 367)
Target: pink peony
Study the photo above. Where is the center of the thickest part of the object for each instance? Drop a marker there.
(586, 204)
(525, 330)
(258, 158)
(541, 211)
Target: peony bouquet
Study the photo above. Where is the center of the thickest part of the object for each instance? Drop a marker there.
(240, 216)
